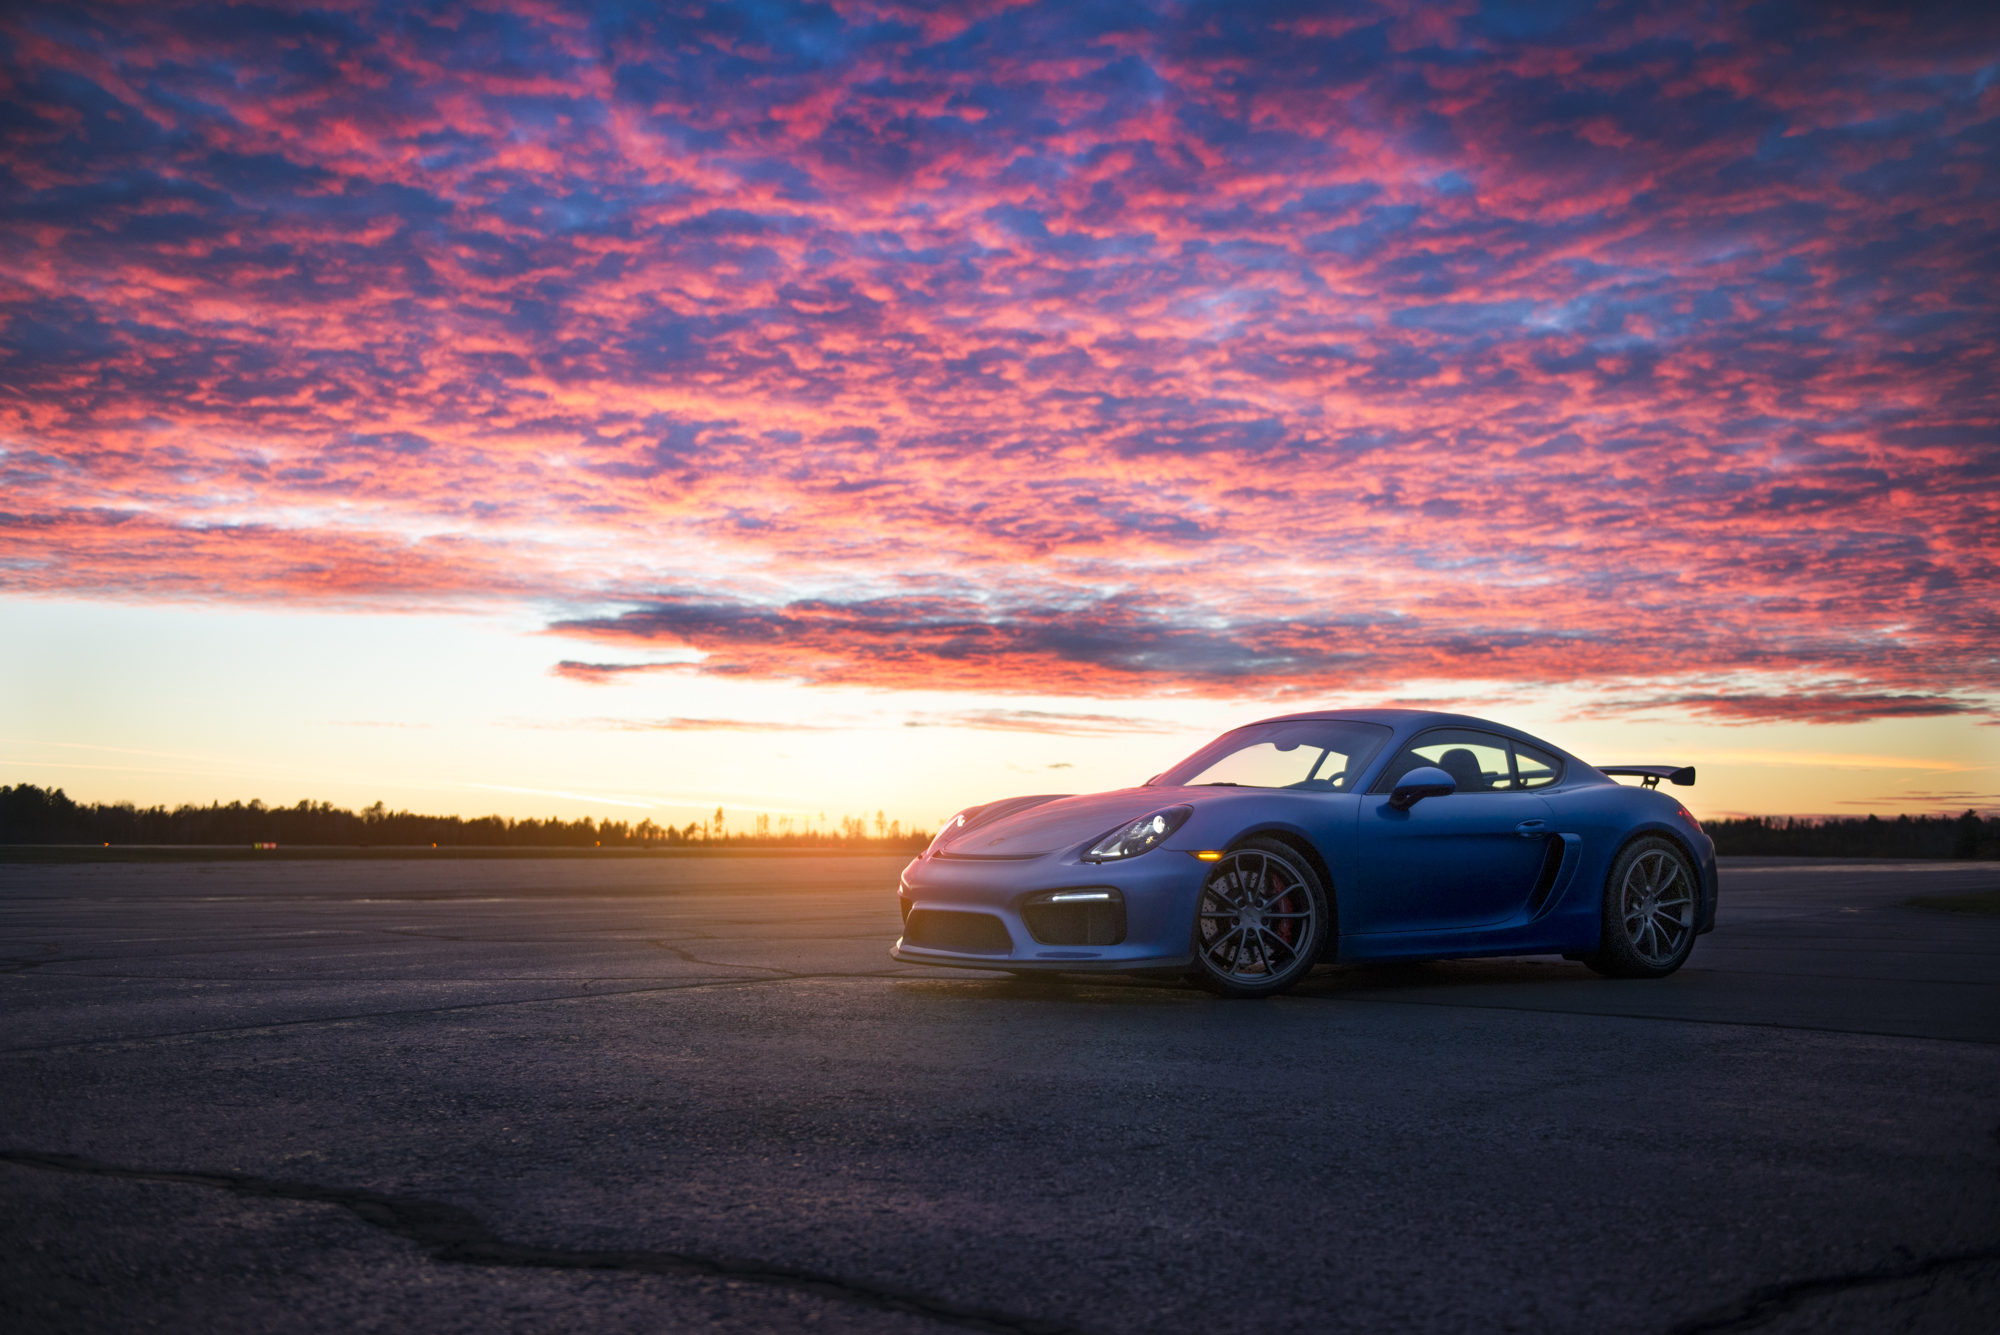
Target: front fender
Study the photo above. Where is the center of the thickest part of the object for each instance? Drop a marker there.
(1320, 825)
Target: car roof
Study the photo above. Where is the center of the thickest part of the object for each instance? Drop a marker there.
(1408, 721)
(1395, 718)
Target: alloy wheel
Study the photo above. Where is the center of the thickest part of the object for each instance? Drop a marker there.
(1657, 906)
(1254, 918)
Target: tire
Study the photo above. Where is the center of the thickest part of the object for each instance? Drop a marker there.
(1650, 901)
(1260, 921)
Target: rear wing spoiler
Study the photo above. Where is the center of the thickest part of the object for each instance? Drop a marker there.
(1649, 776)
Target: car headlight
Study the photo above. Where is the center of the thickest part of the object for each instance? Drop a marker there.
(1141, 836)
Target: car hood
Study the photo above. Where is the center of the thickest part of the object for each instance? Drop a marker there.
(1062, 823)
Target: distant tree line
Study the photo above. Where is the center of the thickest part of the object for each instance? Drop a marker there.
(31, 815)
(1964, 836)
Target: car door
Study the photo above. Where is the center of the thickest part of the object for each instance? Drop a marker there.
(1465, 860)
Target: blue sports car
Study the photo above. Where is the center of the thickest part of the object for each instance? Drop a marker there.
(1377, 834)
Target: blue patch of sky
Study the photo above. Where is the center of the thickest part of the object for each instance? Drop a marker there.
(794, 184)
(1035, 170)
(1464, 317)
(394, 442)
(1379, 223)
(1333, 200)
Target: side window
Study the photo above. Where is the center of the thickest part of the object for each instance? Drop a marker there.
(1535, 768)
(1477, 761)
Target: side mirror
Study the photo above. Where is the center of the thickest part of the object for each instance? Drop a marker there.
(1414, 787)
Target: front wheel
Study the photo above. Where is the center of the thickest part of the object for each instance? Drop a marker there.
(1259, 923)
(1649, 909)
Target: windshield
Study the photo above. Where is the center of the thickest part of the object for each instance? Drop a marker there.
(1319, 755)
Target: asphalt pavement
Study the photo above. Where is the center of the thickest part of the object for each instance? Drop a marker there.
(695, 1093)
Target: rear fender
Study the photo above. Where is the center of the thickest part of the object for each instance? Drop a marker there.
(1705, 879)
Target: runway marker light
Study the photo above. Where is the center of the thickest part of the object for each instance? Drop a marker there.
(1209, 855)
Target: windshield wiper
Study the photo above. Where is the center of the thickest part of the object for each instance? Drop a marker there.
(1222, 784)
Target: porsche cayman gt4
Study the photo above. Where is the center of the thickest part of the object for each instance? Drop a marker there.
(1354, 835)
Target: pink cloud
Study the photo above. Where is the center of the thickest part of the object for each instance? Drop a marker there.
(988, 350)
(1808, 707)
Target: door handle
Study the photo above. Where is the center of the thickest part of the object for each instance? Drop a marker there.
(1532, 829)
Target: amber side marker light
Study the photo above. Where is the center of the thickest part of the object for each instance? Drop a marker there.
(1209, 855)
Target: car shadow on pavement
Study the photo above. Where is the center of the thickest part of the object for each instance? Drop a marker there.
(1342, 978)
(1326, 981)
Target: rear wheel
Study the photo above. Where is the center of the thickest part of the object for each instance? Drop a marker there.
(1649, 909)
(1259, 923)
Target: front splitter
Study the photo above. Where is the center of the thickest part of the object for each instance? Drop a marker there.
(1155, 964)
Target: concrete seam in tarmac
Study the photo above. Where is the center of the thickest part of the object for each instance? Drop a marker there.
(820, 977)
(445, 1010)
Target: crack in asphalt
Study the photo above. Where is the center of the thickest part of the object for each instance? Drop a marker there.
(1769, 1303)
(1773, 1301)
(683, 955)
(455, 1235)
(51, 954)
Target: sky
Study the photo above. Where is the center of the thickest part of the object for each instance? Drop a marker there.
(633, 409)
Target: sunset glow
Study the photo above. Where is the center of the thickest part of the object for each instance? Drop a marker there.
(618, 399)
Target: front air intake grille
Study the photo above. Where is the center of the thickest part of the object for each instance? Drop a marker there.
(1076, 918)
(967, 933)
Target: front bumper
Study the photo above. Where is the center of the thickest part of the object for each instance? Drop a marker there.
(1159, 890)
